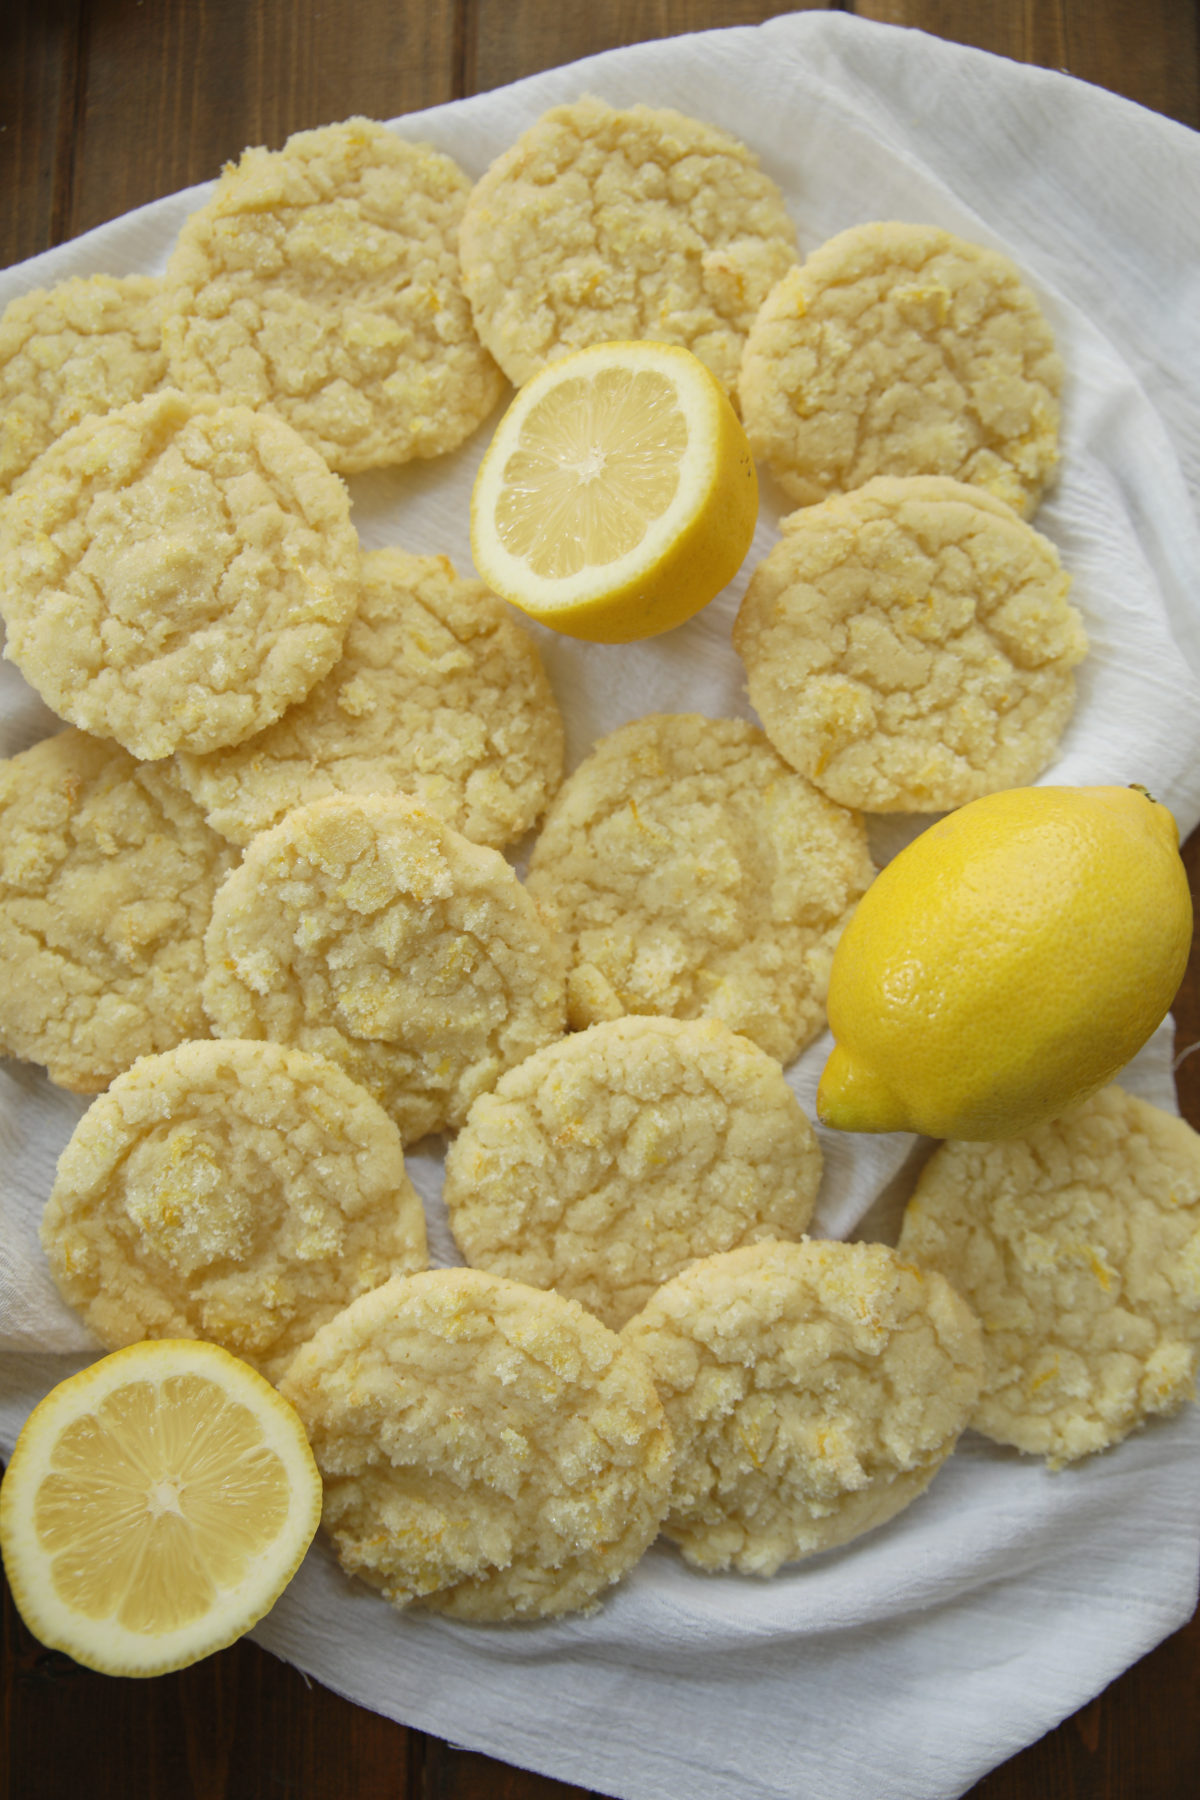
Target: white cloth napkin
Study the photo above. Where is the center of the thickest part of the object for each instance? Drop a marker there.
(906, 1665)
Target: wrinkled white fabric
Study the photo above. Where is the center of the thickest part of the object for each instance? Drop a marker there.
(906, 1665)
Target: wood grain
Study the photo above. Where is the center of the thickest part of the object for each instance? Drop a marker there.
(510, 38)
(1147, 52)
(105, 104)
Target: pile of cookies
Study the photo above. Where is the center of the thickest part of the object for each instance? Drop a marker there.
(254, 896)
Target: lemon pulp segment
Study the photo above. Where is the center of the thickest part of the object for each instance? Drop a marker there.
(152, 1513)
(597, 464)
(156, 1501)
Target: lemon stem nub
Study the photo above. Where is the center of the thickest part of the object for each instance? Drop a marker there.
(852, 1098)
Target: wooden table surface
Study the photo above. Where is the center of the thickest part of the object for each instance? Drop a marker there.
(106, 104)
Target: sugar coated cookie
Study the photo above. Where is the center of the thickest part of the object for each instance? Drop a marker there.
(365, 930)
(175, 573)
(321, 281)
(606, 1162)
(694, 875)
(240, 1192)
(1079, 1248)
(813, 1391)
(909, 646)
(600, 224)
(488, 1450)
(900, 349)
(107, 877)
(85, 346)
(439, 693)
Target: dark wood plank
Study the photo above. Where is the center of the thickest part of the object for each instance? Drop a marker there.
(239, 1724)
(510, 38)
(204, 78)
(39, 92)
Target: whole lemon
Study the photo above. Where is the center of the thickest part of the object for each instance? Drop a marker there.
(1007, 964)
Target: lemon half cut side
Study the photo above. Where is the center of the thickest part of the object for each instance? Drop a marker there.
(618, 495)
(155, 1507)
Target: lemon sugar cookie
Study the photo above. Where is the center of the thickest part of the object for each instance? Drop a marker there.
(321, 282)
(813, 1391)
(87, 345)
(1079, 1248)
(239, 1192)
(107, 877)
(489, 1451)
(438, 693)
(604, 1163)
(363, 929)
(175, 573)
(909, 646)
(899, 349)
(693, 874)
(601, 224)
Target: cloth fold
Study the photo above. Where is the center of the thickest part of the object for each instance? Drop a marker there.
(907, 1664)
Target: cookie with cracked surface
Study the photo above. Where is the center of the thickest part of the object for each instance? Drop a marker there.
(364, 930)
(813, 1390)
(489, 1451)
(910, 646)
(107, 877)
(605, 1163)
(175, 573)
(602, 224)
(1079, 1248)
(86, 345)
(321, 282)
(693, 874)
(899, 349)
(240, 1192)
(438, 693)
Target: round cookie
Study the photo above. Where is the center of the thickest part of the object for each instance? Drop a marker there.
(1079, 1248)
(605, 1163)
(240, 1192)
(89, 344)
(899, 349)
(321, 282)
(439, 693)
(693, 874)
(107, 877)
(175, 573)
(600, 224)
(488, 1450)
(363, 929)
(909, 646)
(813, 1391)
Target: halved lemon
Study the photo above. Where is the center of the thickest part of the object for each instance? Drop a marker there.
(619, 494)
(155, 1507)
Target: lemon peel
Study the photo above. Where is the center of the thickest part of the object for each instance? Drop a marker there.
(156, 1505)
(1007, 964)
(618, 495)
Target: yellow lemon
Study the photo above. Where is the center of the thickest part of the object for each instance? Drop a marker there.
(156, 1505)
(1007, 964)
(619, 494)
